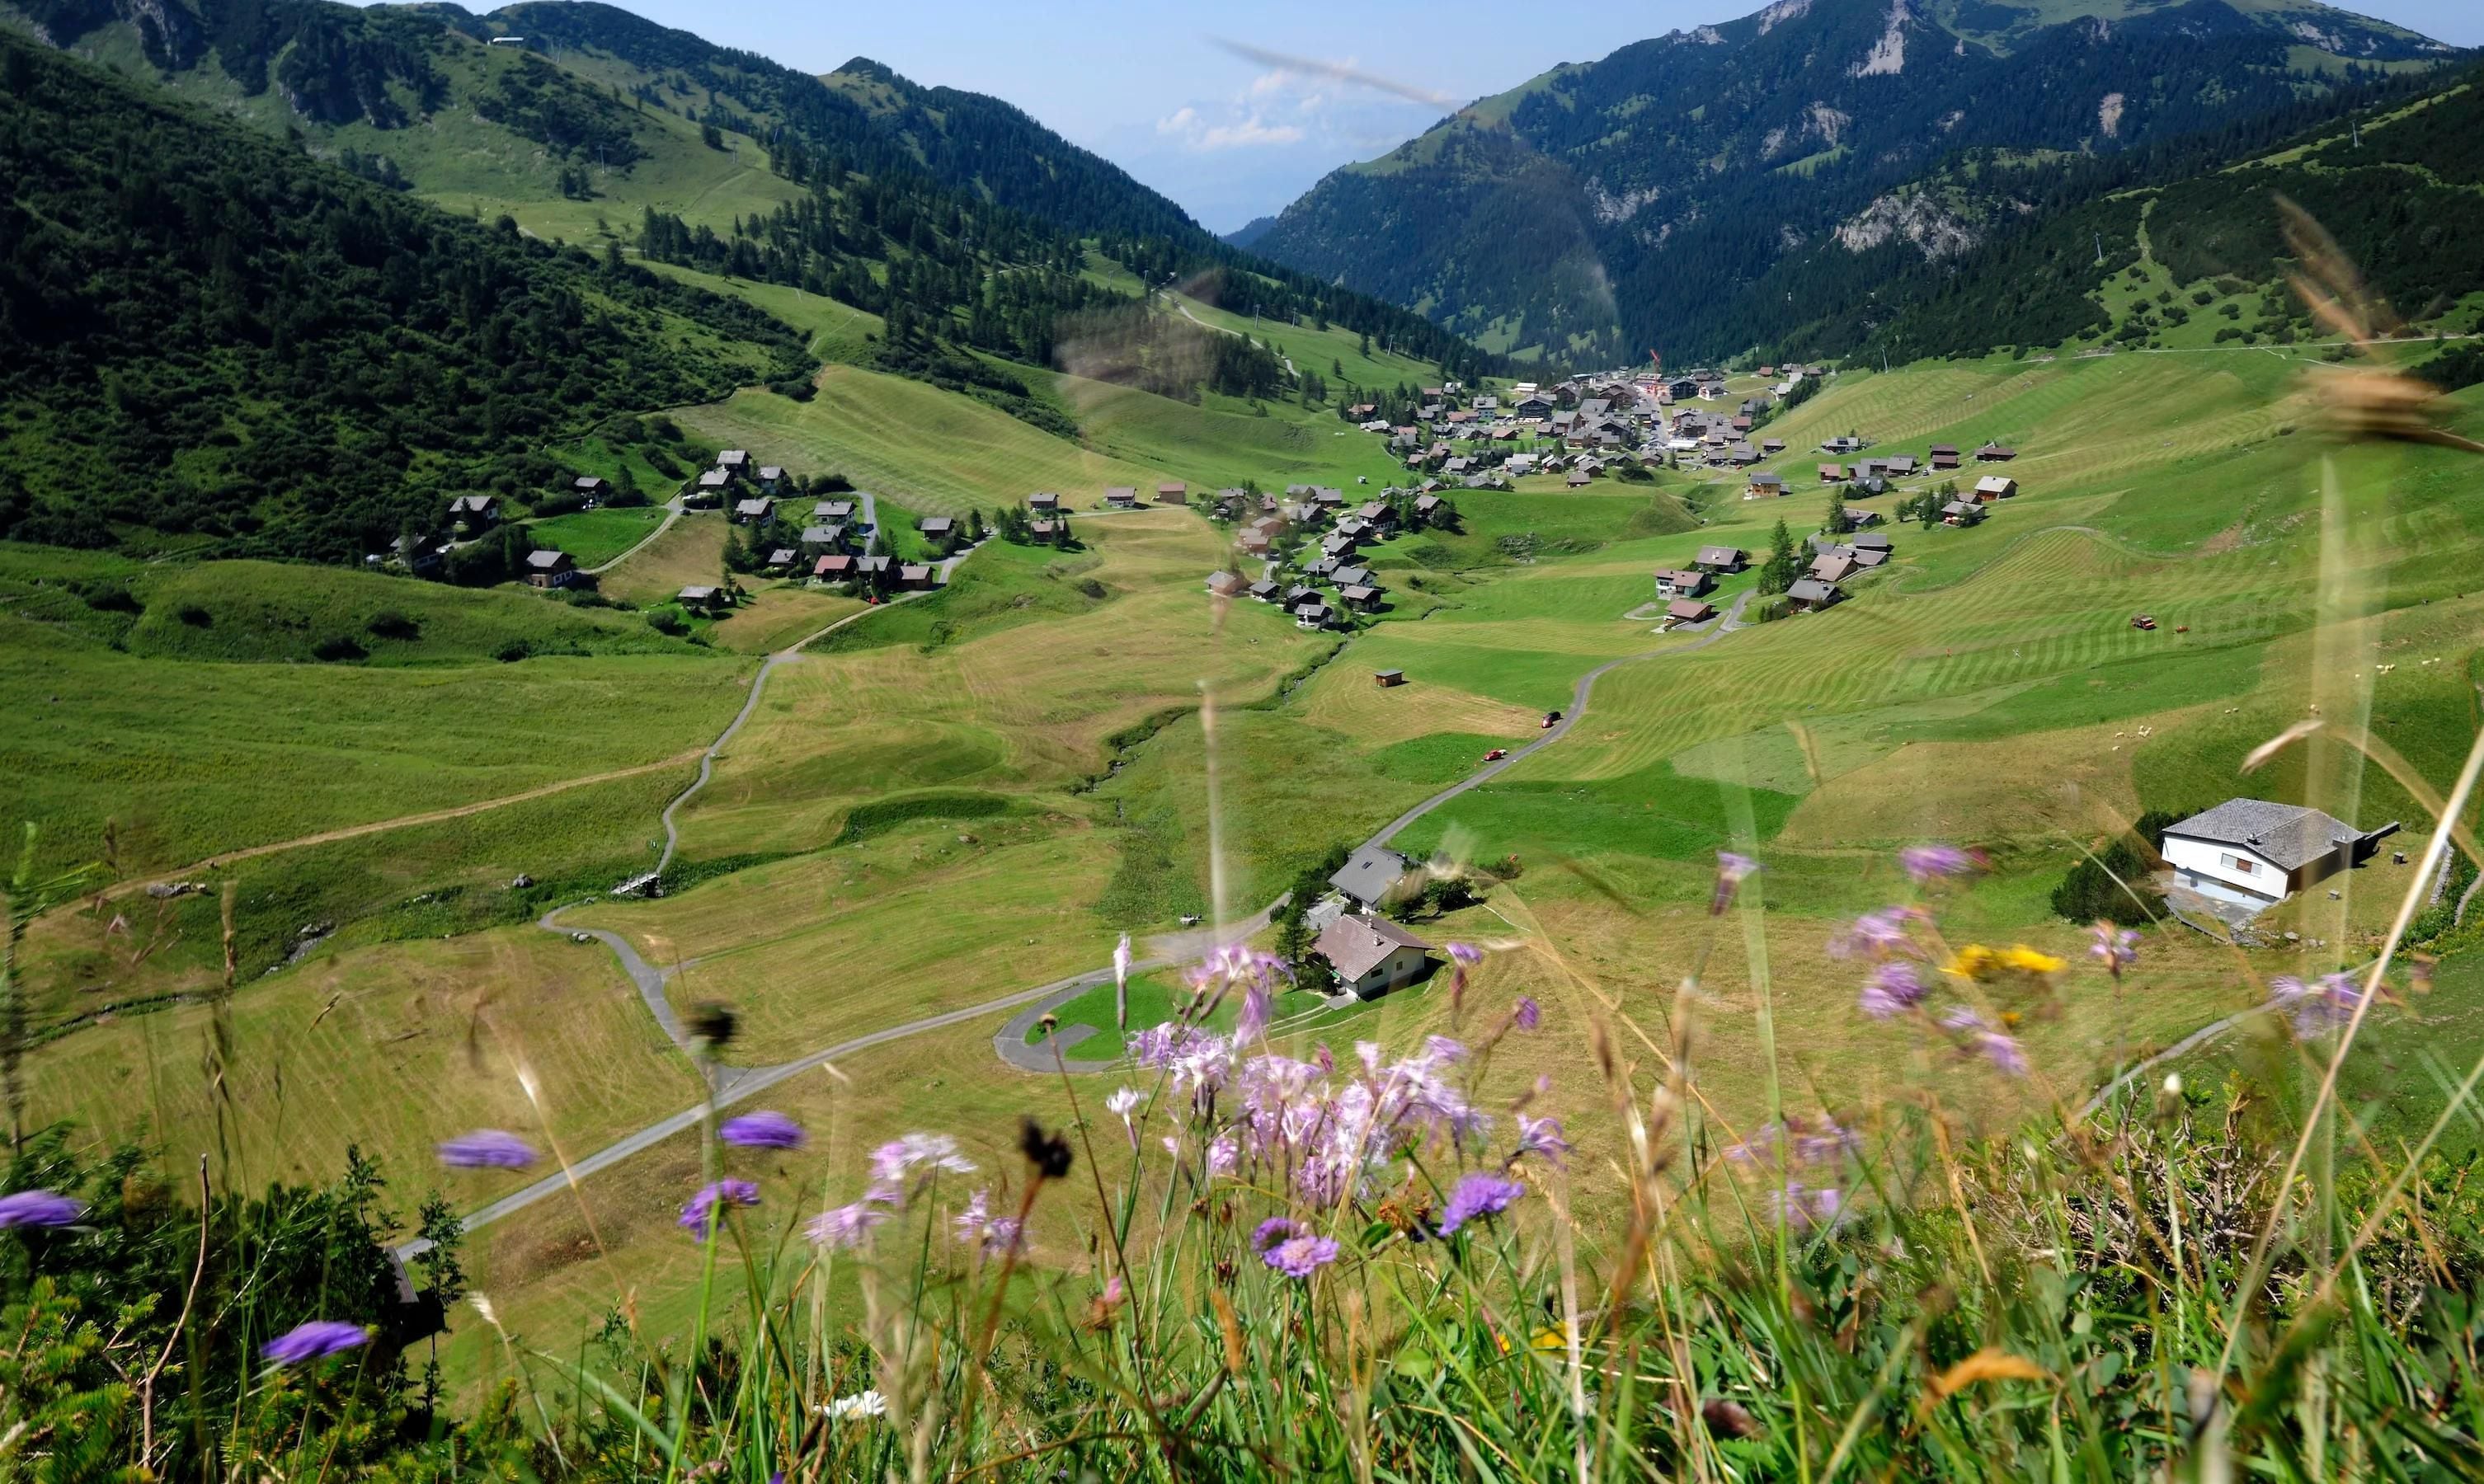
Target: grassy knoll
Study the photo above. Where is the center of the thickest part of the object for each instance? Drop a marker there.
(1336, 352)
(837, 330)
(934, 450)
(923, 918)
(691, 554)
(1010, 695)
(422, 881)
(183, 761)
(1220, 440)
(594, 537)
(779, 614)
(389, 1048)
(268, 612)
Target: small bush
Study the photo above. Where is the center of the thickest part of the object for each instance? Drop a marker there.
(513, 651)
(337, 648)
(668, 620)
(108, 597)
(389, 624)
(1091, 588)
(196, 617)
(2091, 893)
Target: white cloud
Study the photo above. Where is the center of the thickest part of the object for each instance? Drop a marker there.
(1243, 129)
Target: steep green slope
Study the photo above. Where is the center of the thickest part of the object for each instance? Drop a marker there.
(2184, 257)
(204, 332)
(1643, 200)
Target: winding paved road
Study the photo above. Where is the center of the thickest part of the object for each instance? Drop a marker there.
(650, 979)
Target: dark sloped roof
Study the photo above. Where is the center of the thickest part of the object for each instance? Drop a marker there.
(2290, 835)
(1369, 872)
(1355, 946)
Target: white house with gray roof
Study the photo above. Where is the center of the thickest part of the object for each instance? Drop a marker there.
(2253, 852)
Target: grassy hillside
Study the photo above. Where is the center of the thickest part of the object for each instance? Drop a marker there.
(937, 452)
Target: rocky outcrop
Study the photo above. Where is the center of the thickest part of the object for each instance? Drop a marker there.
(1912, 217)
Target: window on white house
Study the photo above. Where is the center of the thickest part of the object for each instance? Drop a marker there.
(2237, 863)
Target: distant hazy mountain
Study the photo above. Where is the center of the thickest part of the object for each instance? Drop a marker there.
(1603, 208)
(1249, 234)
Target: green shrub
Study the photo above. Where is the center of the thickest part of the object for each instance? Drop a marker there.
(389, 624)
(339, 647)
(2091, 892)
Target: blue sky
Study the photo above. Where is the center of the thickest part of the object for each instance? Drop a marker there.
(1146, 83)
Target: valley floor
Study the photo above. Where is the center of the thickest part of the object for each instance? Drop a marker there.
(946, 806)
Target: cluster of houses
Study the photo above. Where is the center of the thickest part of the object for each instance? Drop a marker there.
(736, 482)
(1581, 426)
(1173, 492)
(1834, 558)
(1332, 582)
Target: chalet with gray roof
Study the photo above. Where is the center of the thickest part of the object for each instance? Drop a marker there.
(548, 568)
(1122, 497)
(1809, 595)
(1994, 487)
(1720, 558)
(2253, 852)
(1372, 954)
(754, 511)
(1370, 874)
(1673, 583)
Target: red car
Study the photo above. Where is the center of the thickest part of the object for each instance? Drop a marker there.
(2142, 621)
(1495, 754)
(1552, 717)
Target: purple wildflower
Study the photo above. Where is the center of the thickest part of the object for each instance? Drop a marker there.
(314, 1339)
(846, 1226)
(1732, 871)
(2316, 1008)
(1881, 934)
(1274, 1231)
(703, 1212)
(487, 1149)
(1528, 1014)
(898, 1158)
(1223, 1156)
(763, 1131)
(1477, 1195)
(1979, 1036)
(1465, 952)
(1541, 1136)
(1925, 863)
(1302, 1257)
(1804, 1206)
(38, 1208)
(1894, 988)
(2115, 947)
(1258, 1000)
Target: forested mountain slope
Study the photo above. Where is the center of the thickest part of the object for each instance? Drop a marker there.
(205, 332)
(959, 218)
(1643, 200)
(2142, 253)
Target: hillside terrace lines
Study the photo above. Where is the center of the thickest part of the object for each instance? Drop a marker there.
(2017, 618)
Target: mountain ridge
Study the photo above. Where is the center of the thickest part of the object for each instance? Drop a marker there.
(1562, 216)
